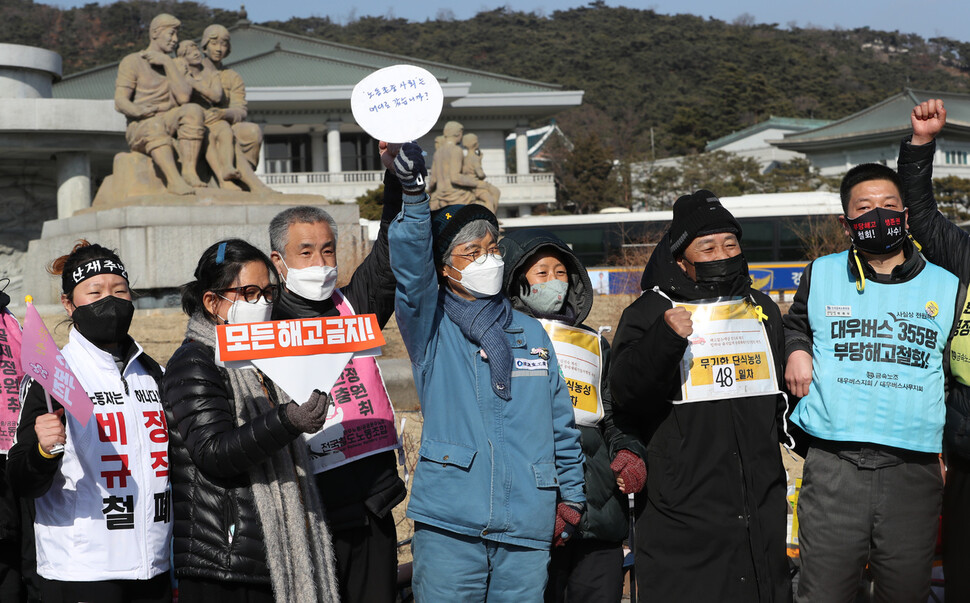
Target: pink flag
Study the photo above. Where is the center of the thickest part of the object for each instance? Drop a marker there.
(44, 362)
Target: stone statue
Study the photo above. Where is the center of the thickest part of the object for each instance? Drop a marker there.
(430, 185)
(152, 92)
(232, 110)
(207, 92)
(485, 193)
(450, 184)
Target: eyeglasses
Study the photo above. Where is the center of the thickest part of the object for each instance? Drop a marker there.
(251, 293)
(478, 256)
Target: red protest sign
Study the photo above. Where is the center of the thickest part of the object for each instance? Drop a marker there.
(298, 337)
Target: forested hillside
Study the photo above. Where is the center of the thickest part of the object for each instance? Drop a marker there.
(689, 78)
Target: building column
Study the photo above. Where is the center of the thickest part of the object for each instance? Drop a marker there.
(261, 164)
(73, 183)
(521, 151)
(317, 151)
(333, 147)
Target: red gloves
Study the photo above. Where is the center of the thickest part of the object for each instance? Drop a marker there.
(568, 515)
(630, 472)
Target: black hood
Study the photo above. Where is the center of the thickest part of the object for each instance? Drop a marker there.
(663, 272)
(520, 245)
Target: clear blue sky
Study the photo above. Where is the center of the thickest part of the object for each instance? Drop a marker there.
(929, 18)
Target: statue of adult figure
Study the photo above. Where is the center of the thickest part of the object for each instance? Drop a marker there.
(232, 109)
(153, 94)
(451, 185)
(485, 193)
(207, 91)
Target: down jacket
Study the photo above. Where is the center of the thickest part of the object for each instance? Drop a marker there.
(714, 524)
(217, 530)
(606, 514)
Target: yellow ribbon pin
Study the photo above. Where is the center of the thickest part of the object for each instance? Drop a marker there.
(759, 313)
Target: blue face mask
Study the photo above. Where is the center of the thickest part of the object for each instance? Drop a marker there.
(546, 298)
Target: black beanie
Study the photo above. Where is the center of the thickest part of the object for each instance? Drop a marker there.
(450, 219)
(699, 214)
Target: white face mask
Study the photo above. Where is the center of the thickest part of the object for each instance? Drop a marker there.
(315, 283)
(241, 311)
(485, 279)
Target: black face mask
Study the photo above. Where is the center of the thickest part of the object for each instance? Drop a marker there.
(104, 321)
(719, 271)
(879, 230)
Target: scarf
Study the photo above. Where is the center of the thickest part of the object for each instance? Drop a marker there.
(299, 552)
(483, 322)
(290, 305)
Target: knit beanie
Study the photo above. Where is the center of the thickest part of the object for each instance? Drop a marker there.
(700, 213)
(448, 221)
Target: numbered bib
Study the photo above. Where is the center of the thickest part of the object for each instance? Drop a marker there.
(580, 360)
(728, 355)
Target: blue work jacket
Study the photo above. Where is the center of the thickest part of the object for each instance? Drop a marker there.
(487, 467)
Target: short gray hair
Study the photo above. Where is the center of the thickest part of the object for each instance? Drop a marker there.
(279, 226)
(470, 232)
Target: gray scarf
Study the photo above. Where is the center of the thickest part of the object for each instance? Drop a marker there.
(299, 552)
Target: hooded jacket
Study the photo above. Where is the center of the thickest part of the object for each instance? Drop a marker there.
(714, 524)
(606, 507)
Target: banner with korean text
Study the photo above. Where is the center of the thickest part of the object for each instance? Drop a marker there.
(301, 355)
(728, 355)
(298, 337)
(11, 372)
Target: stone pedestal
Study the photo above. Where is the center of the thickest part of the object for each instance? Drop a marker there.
(161, 237)
(132, 175)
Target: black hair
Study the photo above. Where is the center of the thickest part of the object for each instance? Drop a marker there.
(865, 172)
(520, 274)
(218, 268)
(82, 253)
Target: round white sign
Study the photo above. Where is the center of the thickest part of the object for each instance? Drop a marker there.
(398, 104)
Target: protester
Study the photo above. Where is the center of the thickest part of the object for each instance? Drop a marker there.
(248, 521)
(713, 528)
(866, 335)
(360, 493)
(948, 245)
(18, 580)
(545, 279)
(103, 527)
(500, 467)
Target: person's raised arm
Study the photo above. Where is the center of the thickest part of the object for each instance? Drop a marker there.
(412, 258)
(371, 288)
(943, 242)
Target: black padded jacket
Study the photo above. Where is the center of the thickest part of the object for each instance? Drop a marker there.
(217, 531)
(713, 528)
